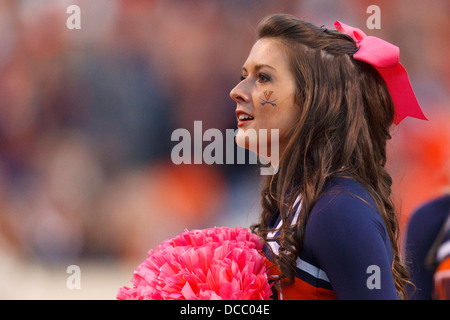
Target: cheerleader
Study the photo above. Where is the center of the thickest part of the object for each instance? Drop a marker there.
(327, 219)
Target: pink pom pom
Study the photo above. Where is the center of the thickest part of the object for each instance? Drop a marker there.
(211, 264)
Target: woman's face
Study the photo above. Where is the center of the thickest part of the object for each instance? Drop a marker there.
(265, 96)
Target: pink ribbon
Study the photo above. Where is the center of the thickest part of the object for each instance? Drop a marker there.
(384, 57)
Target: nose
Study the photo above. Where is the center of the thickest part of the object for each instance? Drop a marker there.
(239, 93)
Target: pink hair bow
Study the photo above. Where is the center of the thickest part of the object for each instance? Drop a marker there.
(384, 57)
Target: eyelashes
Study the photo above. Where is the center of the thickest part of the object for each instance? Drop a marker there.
(261, 77)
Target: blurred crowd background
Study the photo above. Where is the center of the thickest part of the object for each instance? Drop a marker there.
(86, 118)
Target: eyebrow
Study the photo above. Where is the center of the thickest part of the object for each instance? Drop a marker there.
(259, 66)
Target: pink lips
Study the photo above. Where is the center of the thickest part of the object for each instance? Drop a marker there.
(242, 122)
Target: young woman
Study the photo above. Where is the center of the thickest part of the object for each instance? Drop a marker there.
(327, 217)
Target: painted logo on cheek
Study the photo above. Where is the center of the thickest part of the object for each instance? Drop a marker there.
(267, 95)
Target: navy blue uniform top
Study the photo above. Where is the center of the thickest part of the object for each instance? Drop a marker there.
(346, 246)
(423, 228)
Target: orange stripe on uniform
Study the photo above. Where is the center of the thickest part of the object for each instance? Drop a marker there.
(299, 290)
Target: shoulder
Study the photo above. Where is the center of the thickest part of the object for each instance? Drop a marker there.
(343, 190)
(345, 236)
(435, 210)
(426, 221)
(344, 215)
(345, 202)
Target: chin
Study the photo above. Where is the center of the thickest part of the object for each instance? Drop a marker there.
(257, 141)
(247, 139)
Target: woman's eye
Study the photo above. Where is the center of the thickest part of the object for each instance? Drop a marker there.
(262, 77)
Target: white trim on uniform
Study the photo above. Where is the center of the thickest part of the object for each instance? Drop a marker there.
(301, 264)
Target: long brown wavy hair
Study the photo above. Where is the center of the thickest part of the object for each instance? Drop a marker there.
(345, 120)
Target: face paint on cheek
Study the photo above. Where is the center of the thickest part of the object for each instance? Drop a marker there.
(267, 96)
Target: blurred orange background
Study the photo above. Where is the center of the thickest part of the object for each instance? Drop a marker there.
(86, 118)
